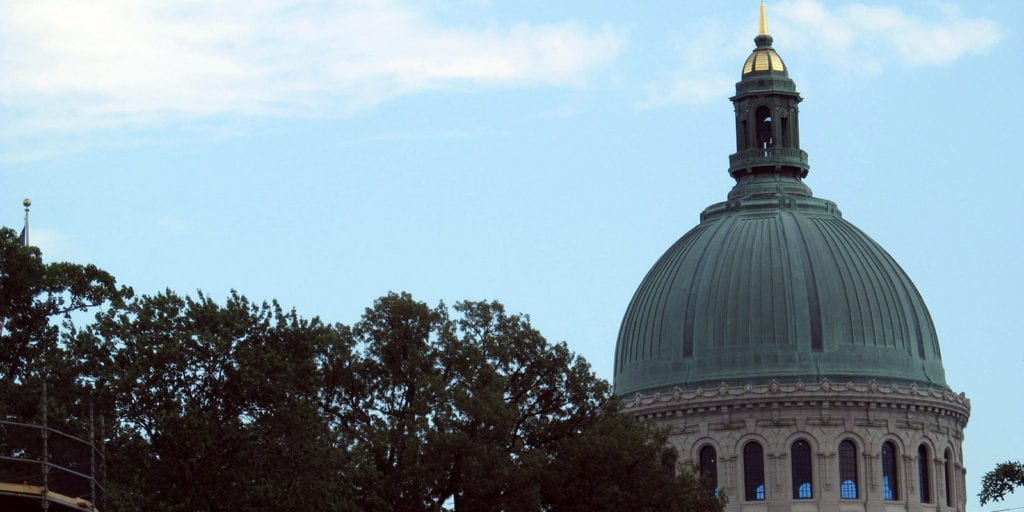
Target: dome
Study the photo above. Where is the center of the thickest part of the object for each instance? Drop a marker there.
(775, 330)
(763, 59)
(775, 285)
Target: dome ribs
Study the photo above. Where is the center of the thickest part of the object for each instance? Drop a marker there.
(790, 292)
(880, 264)
(643, 327)
(913, 302)
(855, 290)
(814, 315)
(730, 275)
(698, 288)
(665, 299)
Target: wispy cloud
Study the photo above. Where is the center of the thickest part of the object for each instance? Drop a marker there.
(853, 37)
(709, 59)
(70, 65)
(171, 225)
(55, 245)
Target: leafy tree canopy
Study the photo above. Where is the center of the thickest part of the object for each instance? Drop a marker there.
(38, 303)
(247, 406)
(1002, 480)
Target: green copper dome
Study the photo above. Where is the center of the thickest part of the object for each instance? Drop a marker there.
(774, 284)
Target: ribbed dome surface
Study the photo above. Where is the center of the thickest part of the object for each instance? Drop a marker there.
(775, 285)
(763, 59)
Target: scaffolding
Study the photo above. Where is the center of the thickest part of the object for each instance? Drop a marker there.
(42, 468)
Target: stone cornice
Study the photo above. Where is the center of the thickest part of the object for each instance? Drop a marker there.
(726, 397)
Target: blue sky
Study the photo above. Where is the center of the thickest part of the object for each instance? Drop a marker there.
(542, 154)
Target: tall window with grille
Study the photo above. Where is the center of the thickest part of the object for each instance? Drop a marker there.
(890, 482)
(848, 470)
(709, 467)
(753, 471)
(802, 486)
(948, 467)
(923, 475)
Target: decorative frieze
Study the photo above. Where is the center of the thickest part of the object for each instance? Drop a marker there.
(910, 399)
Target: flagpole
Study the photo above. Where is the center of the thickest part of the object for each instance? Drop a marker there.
(24, 243)
(24, 231)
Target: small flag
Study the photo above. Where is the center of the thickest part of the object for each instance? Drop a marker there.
(24, 231)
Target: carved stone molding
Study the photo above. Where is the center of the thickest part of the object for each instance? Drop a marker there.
(824, 395)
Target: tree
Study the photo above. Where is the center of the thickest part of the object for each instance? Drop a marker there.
(1002, 480)
(246, 406)
(464, 411)
(39, 303)
(616, 464)
(43, 379)
(217, 406)
(482, 413)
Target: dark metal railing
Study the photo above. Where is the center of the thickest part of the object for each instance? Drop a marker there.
(768, 156)
(59, 468)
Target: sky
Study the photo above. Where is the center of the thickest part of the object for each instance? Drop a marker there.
(543, 154)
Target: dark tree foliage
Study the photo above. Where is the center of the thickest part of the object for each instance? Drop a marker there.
(217, 406)
(615, 464)
(246, 406)
(466, 411)
(39, 304)
(1002, 480)
(480, 413)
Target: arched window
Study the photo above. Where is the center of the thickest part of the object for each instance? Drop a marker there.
(948, 466)
(802, 486)
(764, 127)
(753, 471)
(890, 482)
(709, 467)
(848, 470)
(923, 476)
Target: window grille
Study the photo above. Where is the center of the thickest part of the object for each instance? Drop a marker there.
(753, 471)
(924, 482)
(949, 477)
(802, 487)
(890, 482)
(848, 470)
(709, 467)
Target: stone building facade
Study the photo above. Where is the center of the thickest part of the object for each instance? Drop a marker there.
(745, 439)
(792, 359)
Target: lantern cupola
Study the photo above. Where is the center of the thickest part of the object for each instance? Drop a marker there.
(767, 127)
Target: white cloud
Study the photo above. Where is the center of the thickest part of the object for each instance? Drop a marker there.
(853, 37)
(55, 245)
(709, 64)
(68, 64)
(869, 38)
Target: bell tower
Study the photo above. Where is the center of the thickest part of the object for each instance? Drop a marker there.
(767, 116)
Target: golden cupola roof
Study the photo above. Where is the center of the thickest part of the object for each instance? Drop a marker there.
(764, 58)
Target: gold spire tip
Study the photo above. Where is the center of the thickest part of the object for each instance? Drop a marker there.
(763, 29)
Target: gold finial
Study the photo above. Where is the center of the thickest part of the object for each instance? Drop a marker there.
(763, 30)
(27, 202)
